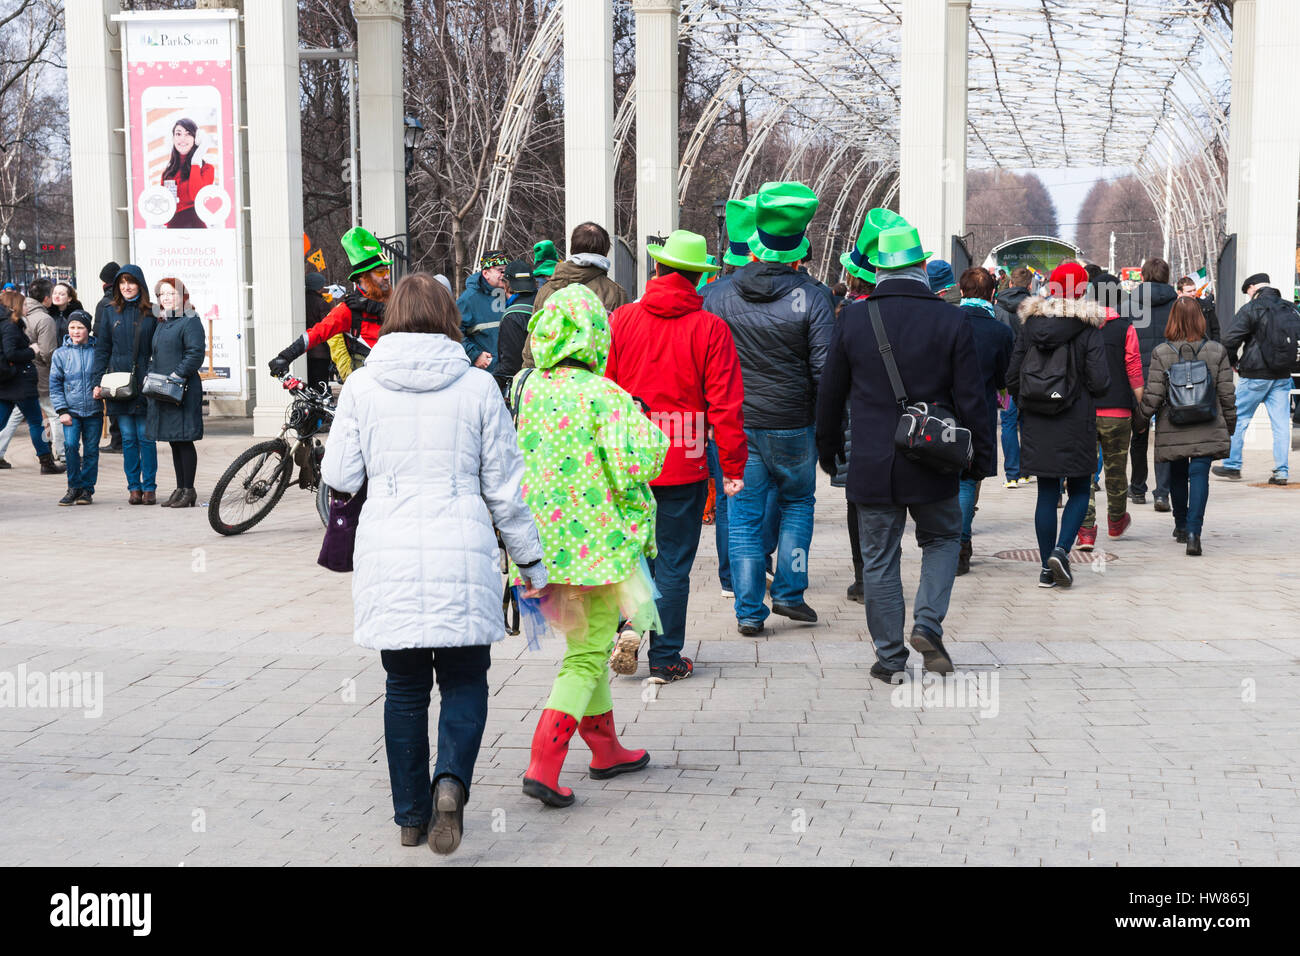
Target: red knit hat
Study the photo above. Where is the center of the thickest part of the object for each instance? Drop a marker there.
(1069, 279)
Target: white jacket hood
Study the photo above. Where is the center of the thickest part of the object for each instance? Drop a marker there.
(416, 362)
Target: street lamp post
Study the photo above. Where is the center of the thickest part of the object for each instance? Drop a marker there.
(9, 265)
(22, 250)
(720, 210)
(412, 133)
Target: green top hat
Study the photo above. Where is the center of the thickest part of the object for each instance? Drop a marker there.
(782, 212)
(364, 251)
(877, 221)
(684, 250)
(545, 258)
(897, 248)
(740, 226)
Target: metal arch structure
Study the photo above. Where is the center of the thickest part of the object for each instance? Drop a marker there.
(755, 146)
(860, 210)
(837, 211)
(712, 110)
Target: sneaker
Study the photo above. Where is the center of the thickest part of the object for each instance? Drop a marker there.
(749, 630)
(86, 497)
(448, 824)
(1012, 483)
(882, 673)
(854, 593)
(729, 594)
(1137, 497)
(796, 612)
(1087, 538)
(931, 650)
(1162, 503)
(624, 658)
(4, 464)
(1117, 528)
(1025, 480)
(679, 671)
(1276, 479)
(1180, 535)
(1059, 565)
(70, 498)
(1046, 579)
(1232, 474)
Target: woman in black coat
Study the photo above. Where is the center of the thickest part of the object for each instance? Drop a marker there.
(18, 377)
(123, 343)
(63, 302)
(1062, 447)
(179, 344)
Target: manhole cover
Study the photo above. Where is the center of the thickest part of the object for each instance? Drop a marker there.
(1076, 557)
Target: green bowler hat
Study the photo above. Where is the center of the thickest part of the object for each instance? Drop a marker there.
(684, 250)
(545, 258)
(898, 247)
(782, 212)
(364, 251)
(740, 226)
(876, 222)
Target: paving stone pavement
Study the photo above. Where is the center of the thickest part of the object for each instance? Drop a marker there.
(1146, 716)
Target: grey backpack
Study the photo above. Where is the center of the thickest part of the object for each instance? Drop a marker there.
(1189, 390)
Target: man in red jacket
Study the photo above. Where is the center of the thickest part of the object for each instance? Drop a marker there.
(681, 363)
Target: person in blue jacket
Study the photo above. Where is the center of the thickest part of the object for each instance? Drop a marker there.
(481, 306)
(72, 393)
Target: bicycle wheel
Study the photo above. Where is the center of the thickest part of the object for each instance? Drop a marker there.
(323, 502)
(250, 487)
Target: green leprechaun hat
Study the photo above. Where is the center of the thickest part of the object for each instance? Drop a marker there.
(877, 221)
(782, 212)
(545, 258)
(688, 251)
(364, 251)
(897, 248)
(740, 226)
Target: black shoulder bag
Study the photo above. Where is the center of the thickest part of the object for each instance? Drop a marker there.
(936, 443)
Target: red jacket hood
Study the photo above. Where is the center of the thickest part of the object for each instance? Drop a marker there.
(670, 297)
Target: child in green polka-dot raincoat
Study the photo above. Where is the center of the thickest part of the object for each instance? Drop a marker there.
(589, 455)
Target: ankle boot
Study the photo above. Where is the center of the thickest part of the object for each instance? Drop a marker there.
(609, 758)
(174, 497)
(550, 747)
(1194, 545)
(187, 499)
(49, 466)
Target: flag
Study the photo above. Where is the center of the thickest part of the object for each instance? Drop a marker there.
(1202, 281)
(317, 259)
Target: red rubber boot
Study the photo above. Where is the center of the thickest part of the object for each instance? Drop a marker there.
(550, 747)
(609, 758)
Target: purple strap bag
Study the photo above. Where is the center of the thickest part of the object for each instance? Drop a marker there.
(341, 532)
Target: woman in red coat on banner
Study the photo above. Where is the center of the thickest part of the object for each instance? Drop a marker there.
(185, 178)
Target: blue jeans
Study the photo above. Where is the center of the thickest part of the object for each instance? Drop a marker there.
(462, 714)
(1189, 490)
(784, 459)
(139, 455)
(1275, 396)
(721, 537)
(938, 533)
(1011, 439)
(679, 515)
(1079, 491)
(31, 411)
(967, 495)
(83, 465)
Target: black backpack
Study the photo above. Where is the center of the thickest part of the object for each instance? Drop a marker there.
(1278, 335)
(1189, 390)
(1048, 383)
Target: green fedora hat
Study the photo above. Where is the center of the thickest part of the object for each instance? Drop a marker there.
(364, 251)
(545, 258)
(876, 222)
(740, 226)
(898, 247)
(782, 212)
(684, 250)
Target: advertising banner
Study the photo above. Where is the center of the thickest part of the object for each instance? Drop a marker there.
(181, 104)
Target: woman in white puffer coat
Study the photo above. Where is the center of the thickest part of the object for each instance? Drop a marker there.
(434, 444)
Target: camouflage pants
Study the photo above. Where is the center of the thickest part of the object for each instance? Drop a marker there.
(1113, 435)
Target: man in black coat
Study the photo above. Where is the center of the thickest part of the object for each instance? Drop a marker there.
(513, 334)
(1148, 309)
(932, 344)
(106, 277)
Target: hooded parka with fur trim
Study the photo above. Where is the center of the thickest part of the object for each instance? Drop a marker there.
(1064, 445)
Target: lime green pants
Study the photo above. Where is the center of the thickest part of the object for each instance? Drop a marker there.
(581, 688)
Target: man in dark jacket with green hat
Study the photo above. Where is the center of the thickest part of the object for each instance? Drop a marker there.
(781, 323)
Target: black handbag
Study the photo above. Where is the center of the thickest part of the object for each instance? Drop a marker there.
(163, 388)
(924, 437)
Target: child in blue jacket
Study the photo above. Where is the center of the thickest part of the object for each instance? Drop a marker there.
(72, 388)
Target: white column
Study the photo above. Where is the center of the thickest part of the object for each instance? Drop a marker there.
(97, 146)
(274, 195)
(1240, 172)
(1274, 150)
(954, 129)
(925, 160)
(383, 158)
(656, 121)
(589, 114)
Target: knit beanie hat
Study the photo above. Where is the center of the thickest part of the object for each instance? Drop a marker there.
(109, 273)
(1069, 279)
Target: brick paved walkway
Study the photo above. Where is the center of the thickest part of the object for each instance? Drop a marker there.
(1146, 716)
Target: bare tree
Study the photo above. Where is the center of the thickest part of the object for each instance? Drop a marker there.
(1003, 205)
